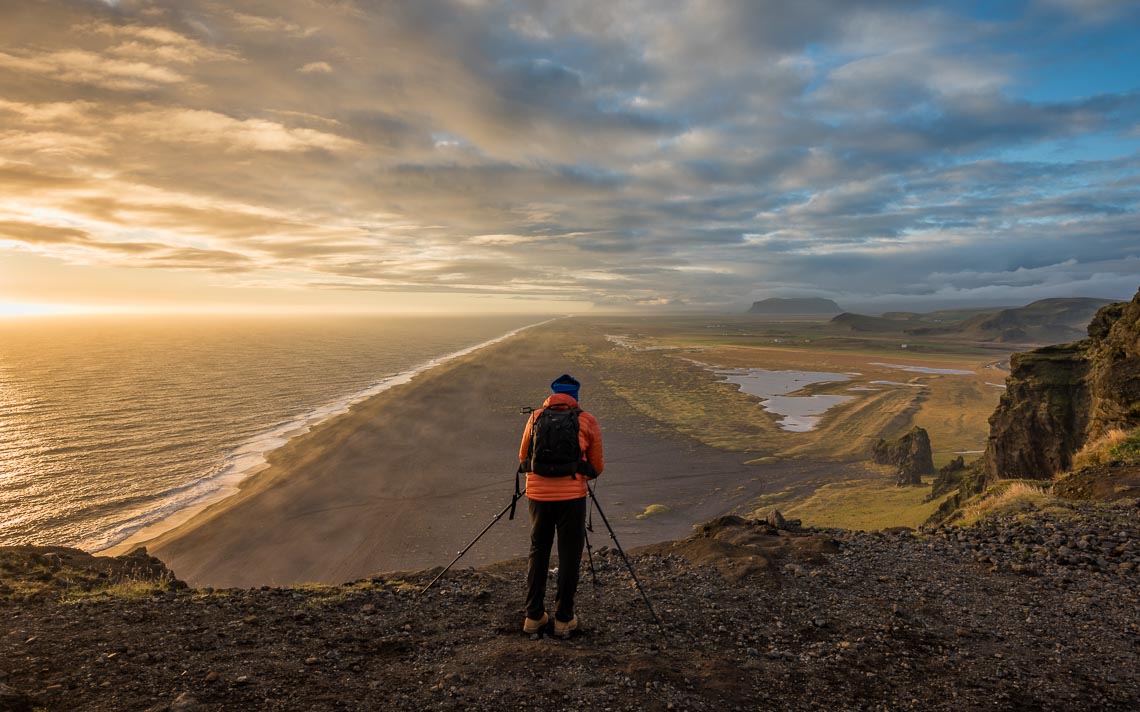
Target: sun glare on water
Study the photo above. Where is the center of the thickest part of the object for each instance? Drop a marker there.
(19, 309)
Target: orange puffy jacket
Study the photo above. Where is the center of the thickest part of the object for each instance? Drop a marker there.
(555, 489)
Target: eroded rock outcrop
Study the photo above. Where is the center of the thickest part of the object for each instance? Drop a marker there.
(1060, 397)
(949, 478)
(910, 454)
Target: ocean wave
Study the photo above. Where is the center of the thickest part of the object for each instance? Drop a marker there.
(251, 457)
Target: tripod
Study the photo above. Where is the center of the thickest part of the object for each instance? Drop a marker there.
(632, 573)
(510, 507)
(613, 537)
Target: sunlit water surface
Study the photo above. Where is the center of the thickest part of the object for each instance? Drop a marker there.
(800, 413)
(109, 425)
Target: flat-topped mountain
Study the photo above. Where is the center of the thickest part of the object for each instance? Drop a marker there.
(797, 306)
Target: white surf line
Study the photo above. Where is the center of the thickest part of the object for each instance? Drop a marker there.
(252, 457)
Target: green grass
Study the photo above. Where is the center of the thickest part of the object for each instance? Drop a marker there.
(683, 396)
(1127, 450)
(865, 504)
(652, 510)
(807, 334)
(1113, 445)
(130, 590)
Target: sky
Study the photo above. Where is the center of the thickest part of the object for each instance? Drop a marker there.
(565, 156)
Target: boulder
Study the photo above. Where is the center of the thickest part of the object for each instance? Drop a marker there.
(776, 520)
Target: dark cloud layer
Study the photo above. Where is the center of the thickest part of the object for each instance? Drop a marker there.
(682, 153)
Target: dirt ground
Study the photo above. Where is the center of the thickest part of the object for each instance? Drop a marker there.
(1033, 614)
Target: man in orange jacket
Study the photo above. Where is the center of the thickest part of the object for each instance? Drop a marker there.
(558, 503)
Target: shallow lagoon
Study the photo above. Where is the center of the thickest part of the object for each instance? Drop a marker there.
(925, 369)
(801, 413)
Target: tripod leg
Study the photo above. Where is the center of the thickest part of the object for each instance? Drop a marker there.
(627, 564)
(498, 516)
(590, 558)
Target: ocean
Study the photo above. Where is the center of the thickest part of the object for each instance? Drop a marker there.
(110, 425)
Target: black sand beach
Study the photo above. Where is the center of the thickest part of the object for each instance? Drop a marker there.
(407, 478)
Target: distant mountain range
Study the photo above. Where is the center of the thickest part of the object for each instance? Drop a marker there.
(807, 306)
(1048, 321)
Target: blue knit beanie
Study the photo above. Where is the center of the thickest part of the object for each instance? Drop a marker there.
(566, 384)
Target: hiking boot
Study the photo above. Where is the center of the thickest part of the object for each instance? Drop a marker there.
(532, 626)
(562, 630)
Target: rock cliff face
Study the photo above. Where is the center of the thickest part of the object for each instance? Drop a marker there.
(910, 453)
(1060, 397)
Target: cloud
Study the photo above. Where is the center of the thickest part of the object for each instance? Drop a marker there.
(63, 145)
(34, 234)
(316, 68)
(84, 248)
(275, 25)
(200, 127)
(156, 44)
(692, 153)
(48, 113)
(82, 67)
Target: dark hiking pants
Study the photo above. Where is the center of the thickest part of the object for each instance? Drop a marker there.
(568, 517)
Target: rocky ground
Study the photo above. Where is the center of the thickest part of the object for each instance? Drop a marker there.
(1110, 481)
(1039, 612)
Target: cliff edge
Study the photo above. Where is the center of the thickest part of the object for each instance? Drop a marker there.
(1028, 614)
(1059, 398)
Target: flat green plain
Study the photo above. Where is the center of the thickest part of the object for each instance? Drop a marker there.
(663, 368)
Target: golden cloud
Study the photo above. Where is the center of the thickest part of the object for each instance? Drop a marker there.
(198, 127)
(35, 234)
(316, 68)
(76, 66)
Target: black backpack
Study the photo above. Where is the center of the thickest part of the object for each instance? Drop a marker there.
(554, 447)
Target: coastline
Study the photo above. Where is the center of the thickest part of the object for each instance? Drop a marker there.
(251, 457)
(407, 477)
